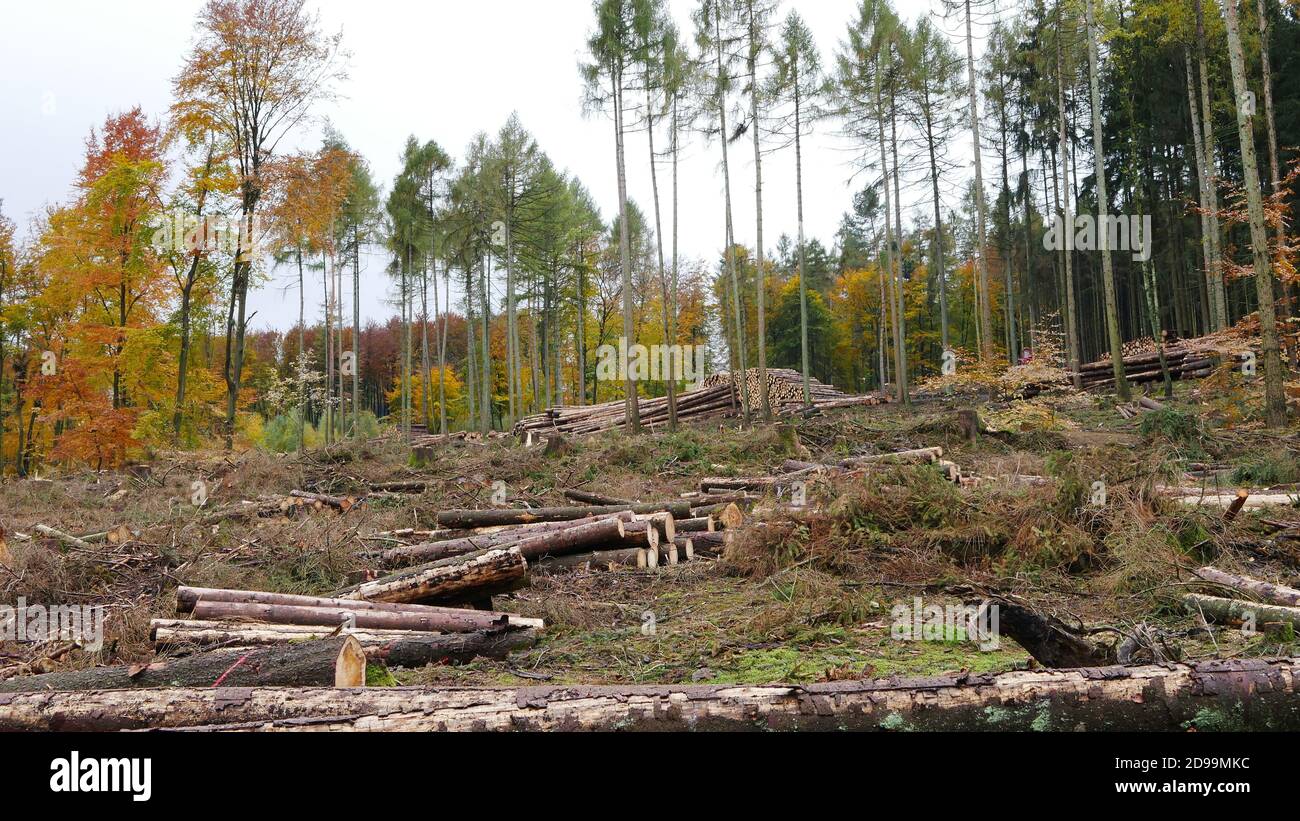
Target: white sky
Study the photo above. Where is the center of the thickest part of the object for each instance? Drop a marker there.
(437, 69)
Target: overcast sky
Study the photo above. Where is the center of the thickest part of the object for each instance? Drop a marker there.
(437, 69)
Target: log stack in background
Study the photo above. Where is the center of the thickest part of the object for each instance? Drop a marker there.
(718, 397)
(1183, 363)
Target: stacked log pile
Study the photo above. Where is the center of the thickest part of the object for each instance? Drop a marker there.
(1183, 362)
(717, 397)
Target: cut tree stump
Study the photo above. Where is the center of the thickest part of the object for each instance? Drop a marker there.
(329, 662)
(1241, 694)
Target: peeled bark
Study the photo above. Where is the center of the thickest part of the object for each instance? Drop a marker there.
(1239, 694)
(329, 662)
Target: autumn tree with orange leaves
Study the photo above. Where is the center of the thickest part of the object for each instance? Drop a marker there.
(253, 74)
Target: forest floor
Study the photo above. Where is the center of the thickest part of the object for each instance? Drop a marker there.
(796, 598)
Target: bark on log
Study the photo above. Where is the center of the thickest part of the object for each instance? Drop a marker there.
(594, 498)
(188, 597)
(1047, 639)
(557, 538)
(417, 651)
(1275, 593)
(1235, 611)
(1249, 694)
(329, 662)
(449, 581)
(463, 621)
(187, 635)
(339, 503)
(599, 560)
(493, 518)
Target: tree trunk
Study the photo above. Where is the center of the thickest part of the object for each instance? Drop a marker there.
(1275, 397)
(501, 517)
(338, 662)
(1253, 694)
(1214, 284)
(625, 251)
(1235, 611)
(982, 283)
(558, 541)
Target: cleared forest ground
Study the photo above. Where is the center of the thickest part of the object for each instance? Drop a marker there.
(799, 596)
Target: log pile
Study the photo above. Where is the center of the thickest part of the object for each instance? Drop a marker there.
(1185, 362)
(785, 392)
(405, 635)
(706, 403)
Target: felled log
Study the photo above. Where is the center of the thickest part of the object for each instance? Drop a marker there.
(701, 524)
(594, 498)
(340, 503)
(563, 537)
(1257, 694)
(1235, 611)
(641, 534)
(416, 616)
(491, 518)
(451, 621)
(469, 578)
(397, 648)
(1227, 501)
(1275, 593)
(338, 662)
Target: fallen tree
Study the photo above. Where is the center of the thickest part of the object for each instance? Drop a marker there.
(1240, 694)
(338, 662)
